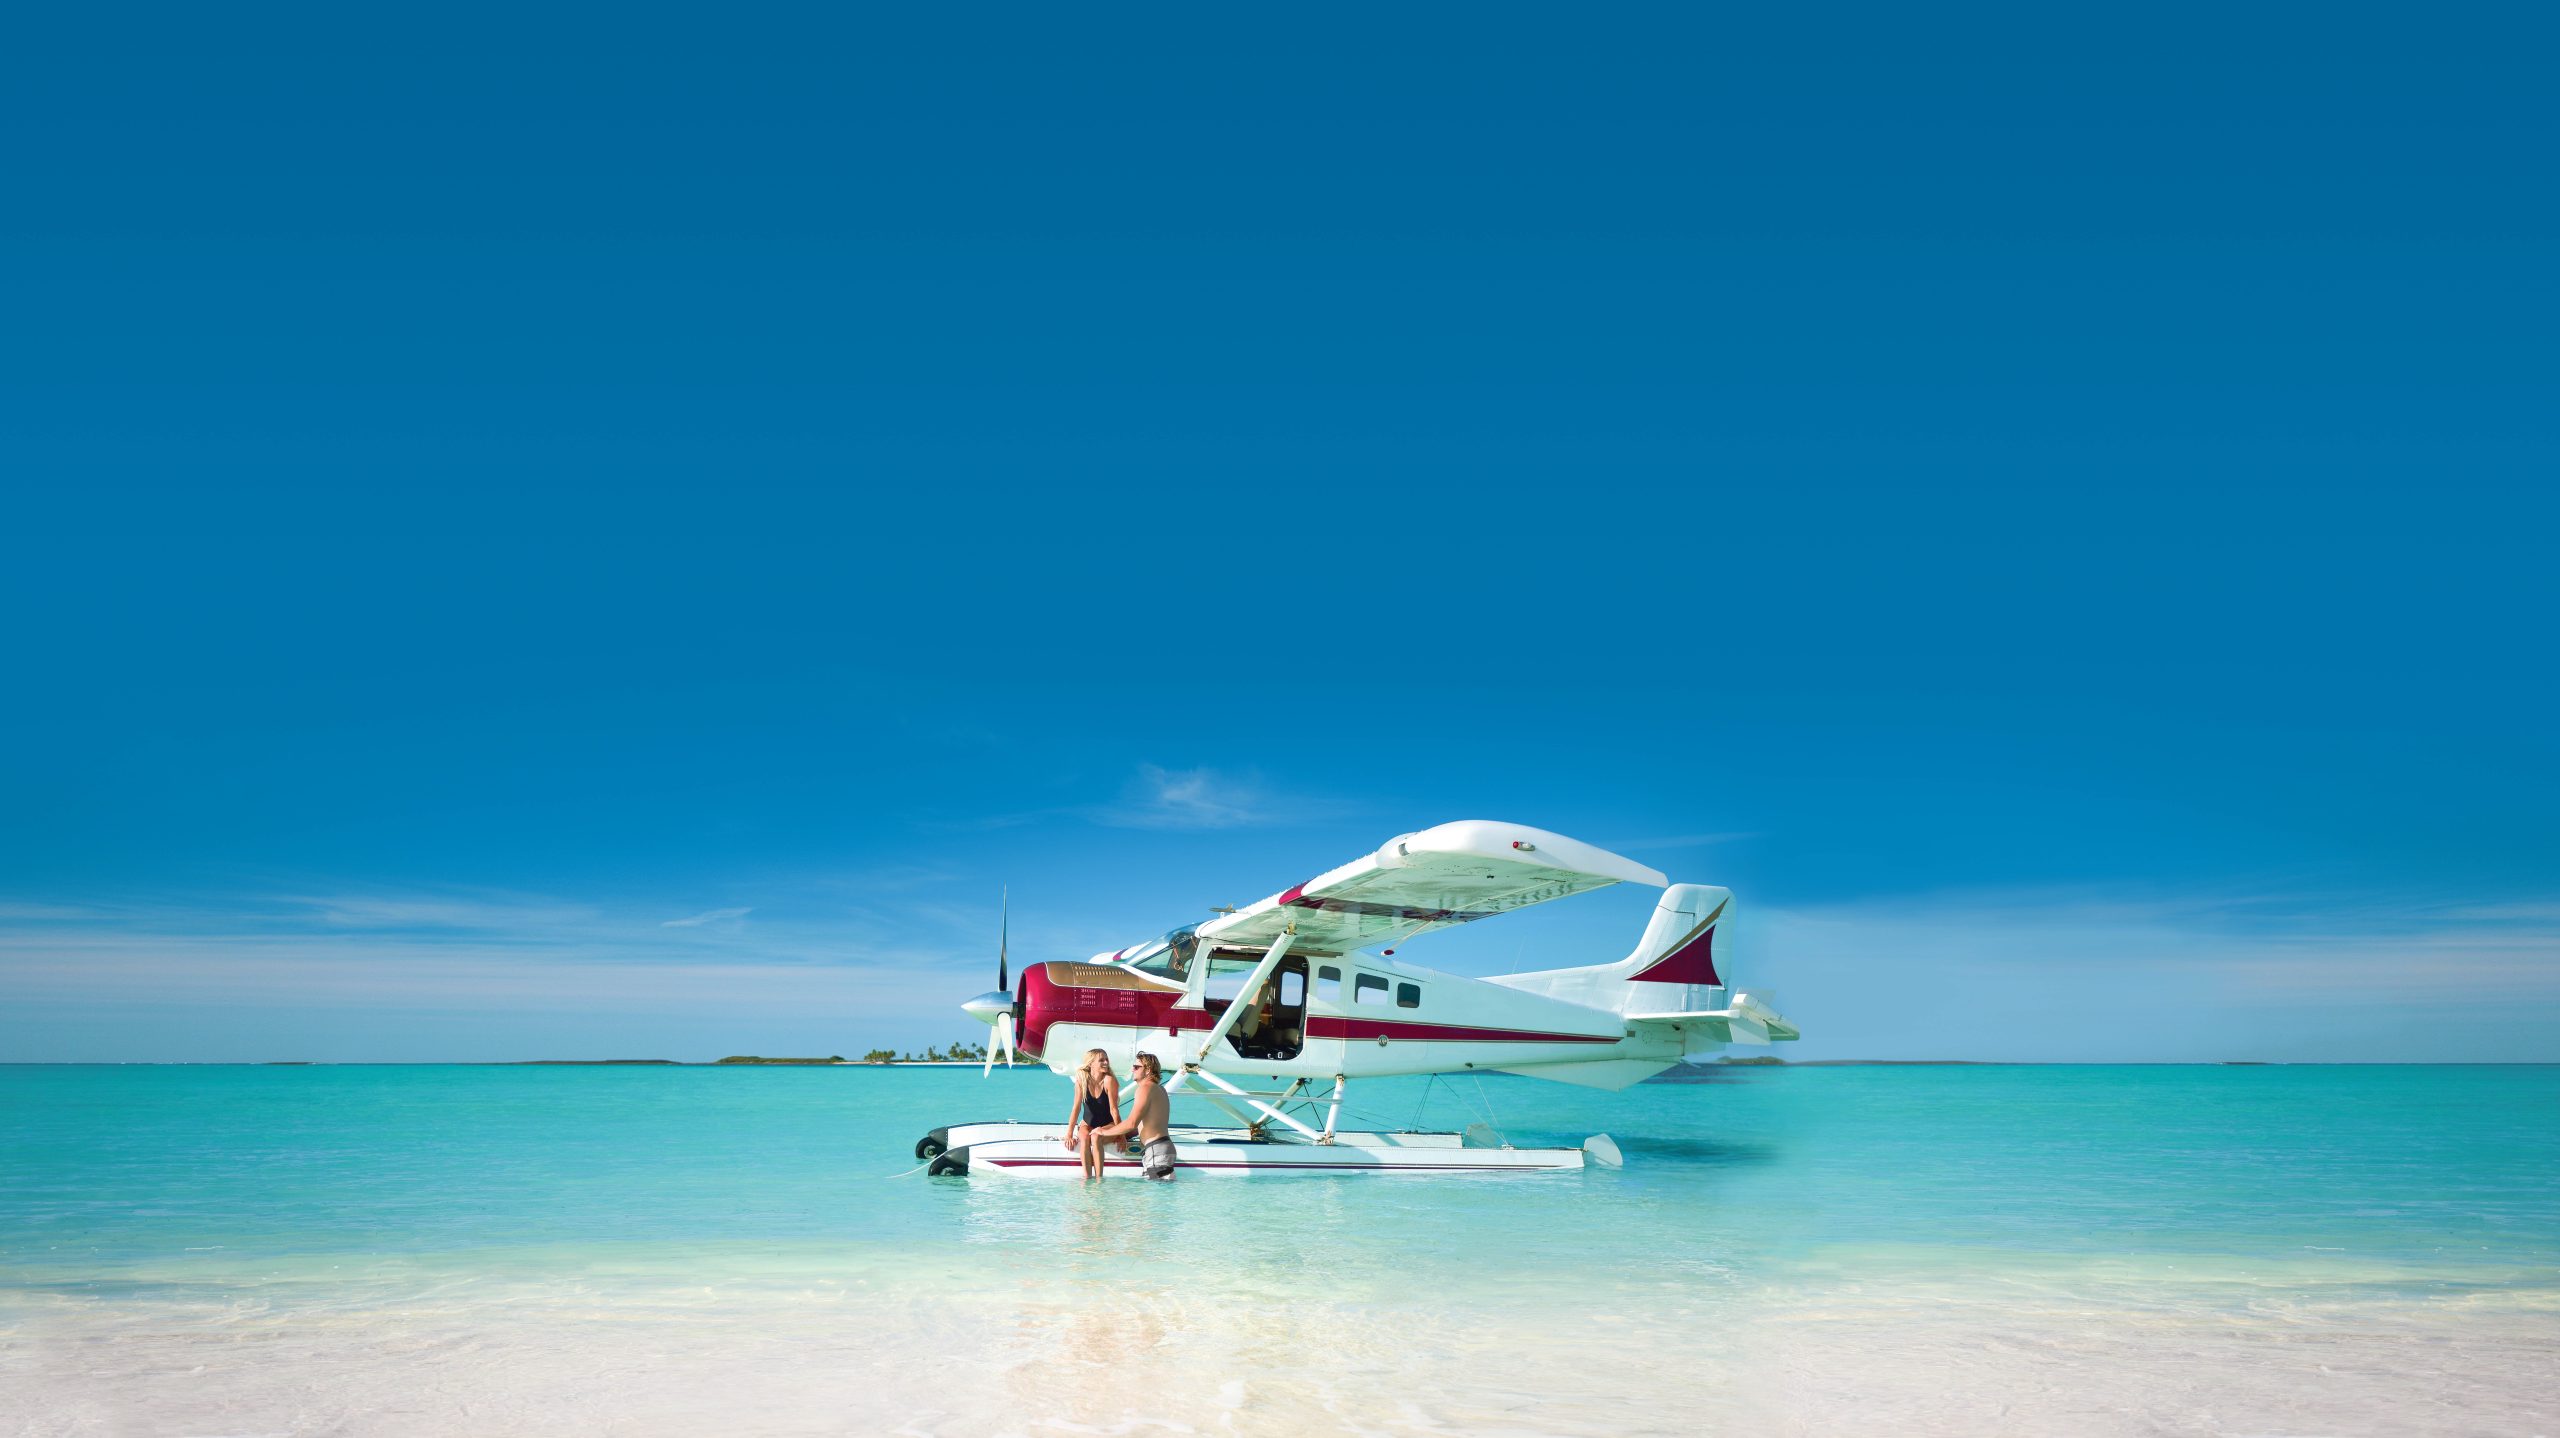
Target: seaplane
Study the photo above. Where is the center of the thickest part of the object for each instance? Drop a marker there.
(1269, 1012)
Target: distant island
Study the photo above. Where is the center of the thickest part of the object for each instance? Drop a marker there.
(1771, 1060)
(960, 1053)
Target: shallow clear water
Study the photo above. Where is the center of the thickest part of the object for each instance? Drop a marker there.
(434, 1249)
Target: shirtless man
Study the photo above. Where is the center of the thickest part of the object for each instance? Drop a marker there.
(1148, 1110)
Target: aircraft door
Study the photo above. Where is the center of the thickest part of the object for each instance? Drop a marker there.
(1274, 1027)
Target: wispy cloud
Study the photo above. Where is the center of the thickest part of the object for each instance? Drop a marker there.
(475, 912)
(343, 970)
(2504, 913)
(44, 911)
(305, 965)
(212, 973)
(1161, 798)
(2098, 974)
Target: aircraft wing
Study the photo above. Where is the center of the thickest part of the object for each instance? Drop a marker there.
(1415, 883)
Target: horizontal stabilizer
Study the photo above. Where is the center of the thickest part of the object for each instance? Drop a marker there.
(1745, 1021)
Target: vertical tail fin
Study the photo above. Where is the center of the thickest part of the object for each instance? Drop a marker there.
(1679, 946)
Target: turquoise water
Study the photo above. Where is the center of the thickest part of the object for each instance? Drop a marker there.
(1814, 1249)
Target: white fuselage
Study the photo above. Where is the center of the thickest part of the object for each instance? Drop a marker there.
(1353, 1016)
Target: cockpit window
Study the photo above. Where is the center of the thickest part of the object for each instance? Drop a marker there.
(1169, 957)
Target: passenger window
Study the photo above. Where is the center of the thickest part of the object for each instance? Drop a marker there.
(1368, 989)
(1293, 989)
(1328, 986)
(1408, 996)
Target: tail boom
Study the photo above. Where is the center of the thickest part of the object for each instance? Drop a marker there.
(1674, 998)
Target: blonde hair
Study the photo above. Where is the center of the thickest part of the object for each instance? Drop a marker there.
(1089, 1056)
(1153, 1065)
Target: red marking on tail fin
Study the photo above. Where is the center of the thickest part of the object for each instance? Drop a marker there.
(1691, 961)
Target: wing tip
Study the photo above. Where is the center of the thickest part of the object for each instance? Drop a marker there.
(1523, 844)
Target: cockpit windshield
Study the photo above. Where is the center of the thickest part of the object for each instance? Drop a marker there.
(1169, 957)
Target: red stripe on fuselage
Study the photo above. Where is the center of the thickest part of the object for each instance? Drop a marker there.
(1047, 1002)
(1274, 1167)
(1320, 1027)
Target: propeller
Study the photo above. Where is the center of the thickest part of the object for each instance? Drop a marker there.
(995, 1007)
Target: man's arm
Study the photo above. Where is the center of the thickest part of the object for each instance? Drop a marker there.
(1128, 1123)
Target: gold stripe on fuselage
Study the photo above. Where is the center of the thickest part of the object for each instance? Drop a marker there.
(1105, 976)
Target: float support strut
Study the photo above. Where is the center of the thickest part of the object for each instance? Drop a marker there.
(1267, 1110)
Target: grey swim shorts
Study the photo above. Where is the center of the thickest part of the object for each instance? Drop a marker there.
(1158, 1159)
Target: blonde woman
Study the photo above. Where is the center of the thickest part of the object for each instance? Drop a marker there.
(1097, 1106)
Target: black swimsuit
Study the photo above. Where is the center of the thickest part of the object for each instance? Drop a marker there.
(1097, 1110)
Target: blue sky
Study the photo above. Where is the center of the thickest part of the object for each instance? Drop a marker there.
(570, 535)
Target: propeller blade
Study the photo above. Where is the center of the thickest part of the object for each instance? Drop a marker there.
(1001, 1042)
(1004, 938)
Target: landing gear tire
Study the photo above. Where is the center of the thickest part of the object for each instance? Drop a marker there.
(944, 1165)
(932, 1145)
